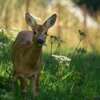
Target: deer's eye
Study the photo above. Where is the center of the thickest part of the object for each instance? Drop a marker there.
(34, 33)
(45, 33)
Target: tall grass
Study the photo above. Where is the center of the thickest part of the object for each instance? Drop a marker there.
(80, 80)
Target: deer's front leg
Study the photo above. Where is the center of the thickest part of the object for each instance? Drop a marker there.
(35, 83)
(23, 84)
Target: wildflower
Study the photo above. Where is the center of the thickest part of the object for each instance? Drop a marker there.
(82, 34)
(62, 59)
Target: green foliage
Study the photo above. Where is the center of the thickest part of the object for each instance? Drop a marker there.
(92, 5)
(5, 54)
(80, 80)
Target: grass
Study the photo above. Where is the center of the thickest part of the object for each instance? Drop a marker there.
(78, 81)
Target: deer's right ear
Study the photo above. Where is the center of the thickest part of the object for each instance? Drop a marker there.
(30, 20)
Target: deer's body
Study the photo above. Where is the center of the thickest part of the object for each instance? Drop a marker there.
(26, 55)
(27, 51)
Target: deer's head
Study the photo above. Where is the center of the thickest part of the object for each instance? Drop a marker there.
(40, 31)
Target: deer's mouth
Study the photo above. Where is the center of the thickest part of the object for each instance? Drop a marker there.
(41, 39)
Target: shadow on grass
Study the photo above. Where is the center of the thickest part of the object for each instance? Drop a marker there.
(81, 82)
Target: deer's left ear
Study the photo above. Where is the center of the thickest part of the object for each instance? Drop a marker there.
(50, 21)
(30, 20)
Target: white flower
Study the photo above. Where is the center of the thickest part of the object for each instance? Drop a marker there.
(62, 59)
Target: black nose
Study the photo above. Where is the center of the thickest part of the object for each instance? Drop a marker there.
(40, 41)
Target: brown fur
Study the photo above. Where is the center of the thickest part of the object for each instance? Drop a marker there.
(27, 52)
(26, 58)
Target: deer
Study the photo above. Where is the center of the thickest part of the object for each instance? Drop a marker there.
(27, 52)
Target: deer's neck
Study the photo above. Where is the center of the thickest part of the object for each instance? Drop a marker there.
(36, 51)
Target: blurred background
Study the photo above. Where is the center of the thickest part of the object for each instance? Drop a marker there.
(75, 35)
(73, 15)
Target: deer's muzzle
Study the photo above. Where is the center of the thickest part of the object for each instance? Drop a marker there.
(40, 41)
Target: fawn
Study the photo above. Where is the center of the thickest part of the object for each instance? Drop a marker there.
(27, 51)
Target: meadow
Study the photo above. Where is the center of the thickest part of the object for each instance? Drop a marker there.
(77, 78)
(71, 56)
